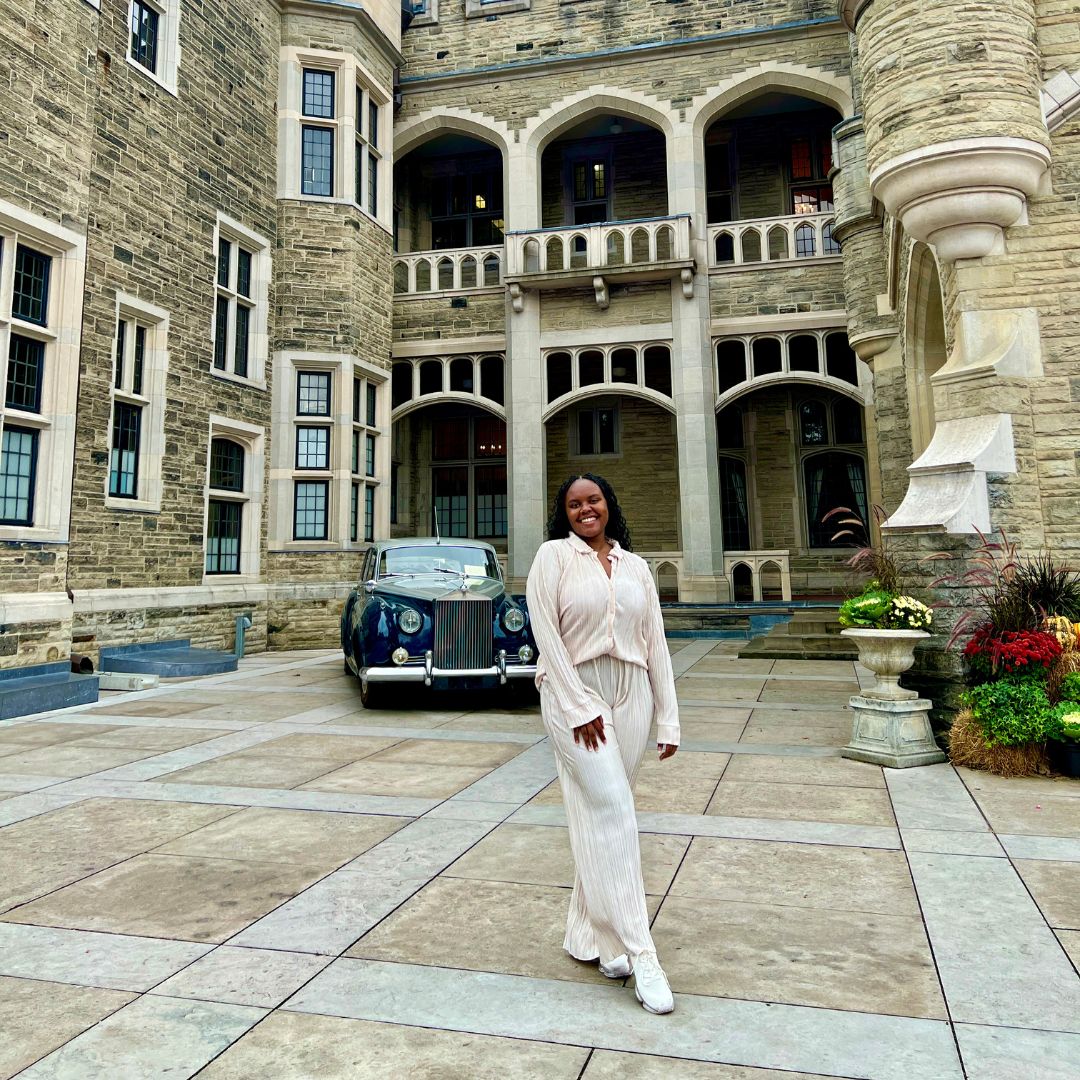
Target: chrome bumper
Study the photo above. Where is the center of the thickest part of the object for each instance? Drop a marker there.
(500, 670)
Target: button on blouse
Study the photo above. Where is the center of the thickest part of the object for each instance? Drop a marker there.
(579, 613)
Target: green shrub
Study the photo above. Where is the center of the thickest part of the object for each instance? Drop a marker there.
(1070, 688)
(1013, 710)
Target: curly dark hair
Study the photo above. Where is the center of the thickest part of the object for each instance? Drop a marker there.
(558, 526)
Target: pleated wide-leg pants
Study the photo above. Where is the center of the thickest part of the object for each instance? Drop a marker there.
(607, 907)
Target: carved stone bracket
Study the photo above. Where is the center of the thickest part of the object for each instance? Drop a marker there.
(687, 277)
(601, 290)
(947, 491)
(1003, 342)
(517, 297)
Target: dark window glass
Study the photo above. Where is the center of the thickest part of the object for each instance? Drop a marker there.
(829, 245)
(369, 456)
(313, 393)
(26, 368)
(452, 500)
(729, 428)
(733, 504)
(309, 510)
(803, 353)
(121, 342)
(491, 378)
(224, 258)
(358, 175)
(730, 364)
(833, 480)
(243, 272)
(451, 440)
(605, 429)
(221, 333)
(767, 356)
(813, 423)
(124, 455)
(317, 161)
(354, 513)
(355, 459)
(356, 389)
(226, 465)
(223, 527)
(370, 405)
(30, 294)
(590, 368)
(18, 463)
(805, 242)
(802, 160)
(373, 184)
(144, 35)
(489, 437)
(369, 514)
(431, 377)
(140, 360)
(312, 448)
(319, 94)
(840, 359)
(400, 384)
(466, 208)
(373, 123)
(586, 433)
(812, 200)
(657, 369)
(491, 514)
(847, 422)
(243, 340)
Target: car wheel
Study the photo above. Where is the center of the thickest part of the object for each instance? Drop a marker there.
(371, 696)
(348, 670)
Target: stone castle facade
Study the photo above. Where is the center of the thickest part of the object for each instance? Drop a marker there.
(281, 277)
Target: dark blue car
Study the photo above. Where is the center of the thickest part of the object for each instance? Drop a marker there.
(435, 612)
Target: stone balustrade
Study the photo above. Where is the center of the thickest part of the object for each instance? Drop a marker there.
(772, 240)
(424, 272)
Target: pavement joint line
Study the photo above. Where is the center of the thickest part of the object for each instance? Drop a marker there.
(729, 1030)
(749, 676)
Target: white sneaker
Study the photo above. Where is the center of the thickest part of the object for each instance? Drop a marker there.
(619, 968)
(651, 985)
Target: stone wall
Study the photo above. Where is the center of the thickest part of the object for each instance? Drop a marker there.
(630, 305)
(433, 319)
(647, 448)
(813, 286)
(555, 27)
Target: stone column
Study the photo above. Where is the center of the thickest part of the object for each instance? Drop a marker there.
(693, 387)
(524, 388)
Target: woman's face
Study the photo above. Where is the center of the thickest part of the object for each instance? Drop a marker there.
(587, 509)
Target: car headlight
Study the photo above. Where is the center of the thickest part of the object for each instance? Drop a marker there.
(410, 621)
(514, 620)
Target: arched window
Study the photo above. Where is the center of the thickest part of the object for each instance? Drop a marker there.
(657, 364)
(734, 508)
(840, 359)
(833, 479)
(803, 353)
(400, 384)
(725, 248)
(559, 377)
(491, 378)
(224, 516)
(767, 356)
(730, 364)
(624, 366)
(590, 367)
(431, 377)
(461, 375)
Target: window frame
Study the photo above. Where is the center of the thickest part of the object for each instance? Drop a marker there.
(257, 302)
(60, 339)
(149, 400)
(166, 69)
(251, 439)
(481, 9)
(595, 407)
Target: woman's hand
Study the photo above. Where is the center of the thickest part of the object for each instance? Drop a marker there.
(589, 734)
(666, 750)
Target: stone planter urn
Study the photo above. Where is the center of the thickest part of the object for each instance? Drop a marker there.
(890, 725)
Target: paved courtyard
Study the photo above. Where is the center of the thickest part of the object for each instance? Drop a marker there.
(249, 876)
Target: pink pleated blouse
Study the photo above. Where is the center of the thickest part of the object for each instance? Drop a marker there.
(578, 613)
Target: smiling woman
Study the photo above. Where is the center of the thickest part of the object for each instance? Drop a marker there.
(604, 676)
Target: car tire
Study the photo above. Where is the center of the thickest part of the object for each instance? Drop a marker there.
(371, 696)
(345, 664)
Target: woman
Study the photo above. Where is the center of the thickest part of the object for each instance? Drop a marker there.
(604, 675)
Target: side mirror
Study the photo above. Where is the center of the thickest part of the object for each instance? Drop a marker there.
(369, 585)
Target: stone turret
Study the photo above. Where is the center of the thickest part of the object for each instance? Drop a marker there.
(955, 136)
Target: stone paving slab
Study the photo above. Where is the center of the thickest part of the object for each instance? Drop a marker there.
(258, 926)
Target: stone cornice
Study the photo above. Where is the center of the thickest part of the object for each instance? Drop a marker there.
(344, 9)
(850, 10)
(629, 54)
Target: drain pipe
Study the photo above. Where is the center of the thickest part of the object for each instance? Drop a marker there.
(243, 623)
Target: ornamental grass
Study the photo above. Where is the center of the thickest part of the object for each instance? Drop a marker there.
(968, 748)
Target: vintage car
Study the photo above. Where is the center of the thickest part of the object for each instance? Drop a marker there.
(434, 611)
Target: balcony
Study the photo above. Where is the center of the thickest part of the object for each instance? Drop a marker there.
(772, 241)
(459, 270)
(642, 249)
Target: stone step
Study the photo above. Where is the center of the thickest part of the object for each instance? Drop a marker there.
(168, 659)
(43, 687)
(808, 635)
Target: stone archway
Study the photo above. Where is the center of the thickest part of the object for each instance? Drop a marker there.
(926, 348)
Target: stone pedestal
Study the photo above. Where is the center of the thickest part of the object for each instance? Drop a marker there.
(893, 733)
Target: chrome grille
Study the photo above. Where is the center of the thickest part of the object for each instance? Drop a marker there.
(463, 633)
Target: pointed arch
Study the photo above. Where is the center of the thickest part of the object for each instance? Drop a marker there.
(823, 86)
(413, 132)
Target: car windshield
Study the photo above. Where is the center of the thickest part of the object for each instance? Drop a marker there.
(439, 559)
